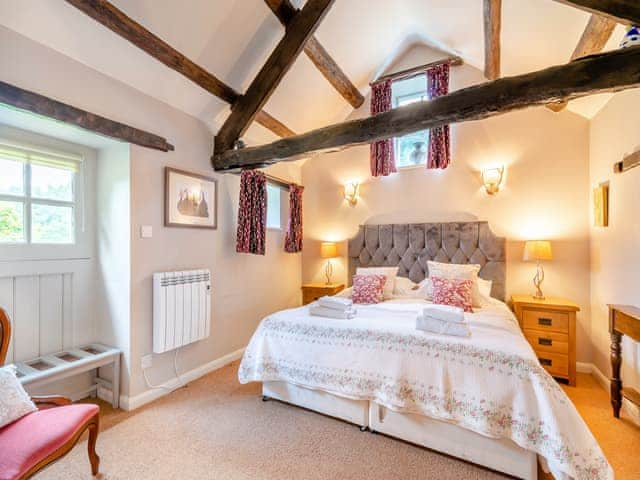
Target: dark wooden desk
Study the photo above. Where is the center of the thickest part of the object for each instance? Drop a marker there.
(623, 320)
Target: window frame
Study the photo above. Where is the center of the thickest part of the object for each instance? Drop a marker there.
(28, 200)
(280, 189)
(396, 99)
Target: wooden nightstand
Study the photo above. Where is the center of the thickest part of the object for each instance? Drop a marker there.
(313, 291)
(550, 327)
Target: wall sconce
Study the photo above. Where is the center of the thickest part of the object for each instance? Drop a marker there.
(492, 179)
(351, 190)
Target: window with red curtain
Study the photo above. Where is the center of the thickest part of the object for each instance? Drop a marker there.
(252, 213)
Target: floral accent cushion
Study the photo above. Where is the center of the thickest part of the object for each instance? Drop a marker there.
(14, 401)
(368, 289)
(456, 293)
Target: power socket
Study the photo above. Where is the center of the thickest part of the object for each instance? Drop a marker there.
(147, 361)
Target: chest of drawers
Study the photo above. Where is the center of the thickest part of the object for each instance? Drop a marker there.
(549, 325)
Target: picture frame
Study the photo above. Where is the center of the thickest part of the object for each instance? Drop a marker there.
(601, 205)
(191, 200)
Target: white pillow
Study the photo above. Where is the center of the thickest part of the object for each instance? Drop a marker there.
(456, 271)
(14, 401)
(404, 288)
(484, 286)
(346, 293)
(389, 272)
(425, 289)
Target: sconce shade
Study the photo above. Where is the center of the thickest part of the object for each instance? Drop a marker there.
(328, 250)
(535, 250)
(351, 190)
(492, 179)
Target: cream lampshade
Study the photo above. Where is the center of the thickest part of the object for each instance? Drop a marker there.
(328, 250)
(537, 250)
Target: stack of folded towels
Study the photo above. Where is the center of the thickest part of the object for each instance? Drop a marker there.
(333, 307)
(443, 319)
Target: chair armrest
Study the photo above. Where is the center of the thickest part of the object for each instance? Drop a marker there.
(43, 402)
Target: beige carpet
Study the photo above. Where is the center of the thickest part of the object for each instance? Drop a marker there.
(218, 429)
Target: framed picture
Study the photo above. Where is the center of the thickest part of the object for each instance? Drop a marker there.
(601, 206)
(190, 200)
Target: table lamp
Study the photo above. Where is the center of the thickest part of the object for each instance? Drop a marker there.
(537, 250)
(328, 250)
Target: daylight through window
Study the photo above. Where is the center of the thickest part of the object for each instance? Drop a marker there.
(411, 149)
(37, 197)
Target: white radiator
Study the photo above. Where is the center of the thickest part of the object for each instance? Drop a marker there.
(181, 308)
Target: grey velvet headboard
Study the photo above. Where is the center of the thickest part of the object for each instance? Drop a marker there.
(410, 246)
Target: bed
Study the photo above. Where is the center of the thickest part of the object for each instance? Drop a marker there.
(484, 399)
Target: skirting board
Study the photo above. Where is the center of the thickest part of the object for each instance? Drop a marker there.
(629, 408)
(131, 403)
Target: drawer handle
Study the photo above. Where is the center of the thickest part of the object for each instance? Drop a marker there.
(545, 361)
(545, 341)
(544, 321)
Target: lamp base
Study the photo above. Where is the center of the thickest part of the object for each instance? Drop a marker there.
(328, 271)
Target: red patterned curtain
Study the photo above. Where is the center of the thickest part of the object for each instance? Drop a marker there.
(439, 144)
(293, 237)
(382, 157)
(252, 213)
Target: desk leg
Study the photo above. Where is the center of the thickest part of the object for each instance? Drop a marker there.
(616, 382)
(115, 401)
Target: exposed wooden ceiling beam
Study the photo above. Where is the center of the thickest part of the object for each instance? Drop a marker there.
(492, 29)
(39, 104)
(622, 11)
(594, 38)
(607, 72)
(118, 22)
(285, 11)
(244, 110)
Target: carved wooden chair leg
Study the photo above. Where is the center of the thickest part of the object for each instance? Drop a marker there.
(94, 459)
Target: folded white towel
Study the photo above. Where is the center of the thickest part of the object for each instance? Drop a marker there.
(337, 303)
(320, 311)
(434, 325)
(445, 313)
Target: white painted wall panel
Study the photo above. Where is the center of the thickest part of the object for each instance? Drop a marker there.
(6, 302)
(26, 321)
(51, 315)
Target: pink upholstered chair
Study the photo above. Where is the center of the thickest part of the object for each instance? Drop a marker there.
(40, 438)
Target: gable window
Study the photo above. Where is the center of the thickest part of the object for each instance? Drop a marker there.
(274, 206)
(38, 200)
(411, 150)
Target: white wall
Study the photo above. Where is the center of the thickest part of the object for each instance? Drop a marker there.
(615, 252)
(113, 296)
(245, 287)
(544, 196)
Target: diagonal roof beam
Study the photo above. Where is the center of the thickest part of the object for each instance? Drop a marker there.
(492, 28)
(594, 38)
(285, 11)
(277, 65)
(622, 11)
(606, 72)
(118, 22)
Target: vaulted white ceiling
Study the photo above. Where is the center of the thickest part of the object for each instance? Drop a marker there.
(233, 38)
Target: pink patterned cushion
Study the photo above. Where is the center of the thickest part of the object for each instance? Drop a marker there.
(456, 293)
(368, 288)
(35, 436)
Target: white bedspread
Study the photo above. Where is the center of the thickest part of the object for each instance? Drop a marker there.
(490, 383)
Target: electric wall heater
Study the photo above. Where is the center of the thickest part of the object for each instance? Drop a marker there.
(181, 308)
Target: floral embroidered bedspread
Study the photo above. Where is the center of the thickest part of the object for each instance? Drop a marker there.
(490, 383)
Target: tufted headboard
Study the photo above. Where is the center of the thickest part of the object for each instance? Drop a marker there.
(410, 246)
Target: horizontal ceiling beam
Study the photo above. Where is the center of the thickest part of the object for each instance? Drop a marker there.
(593, 40)
(39, 104)
(118, 22)
(244, 110)
(285, 11)
(622, 11)
(607, 72)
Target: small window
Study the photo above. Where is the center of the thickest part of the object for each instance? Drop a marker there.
(273, 206)
(37, 197)
(411, 149)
